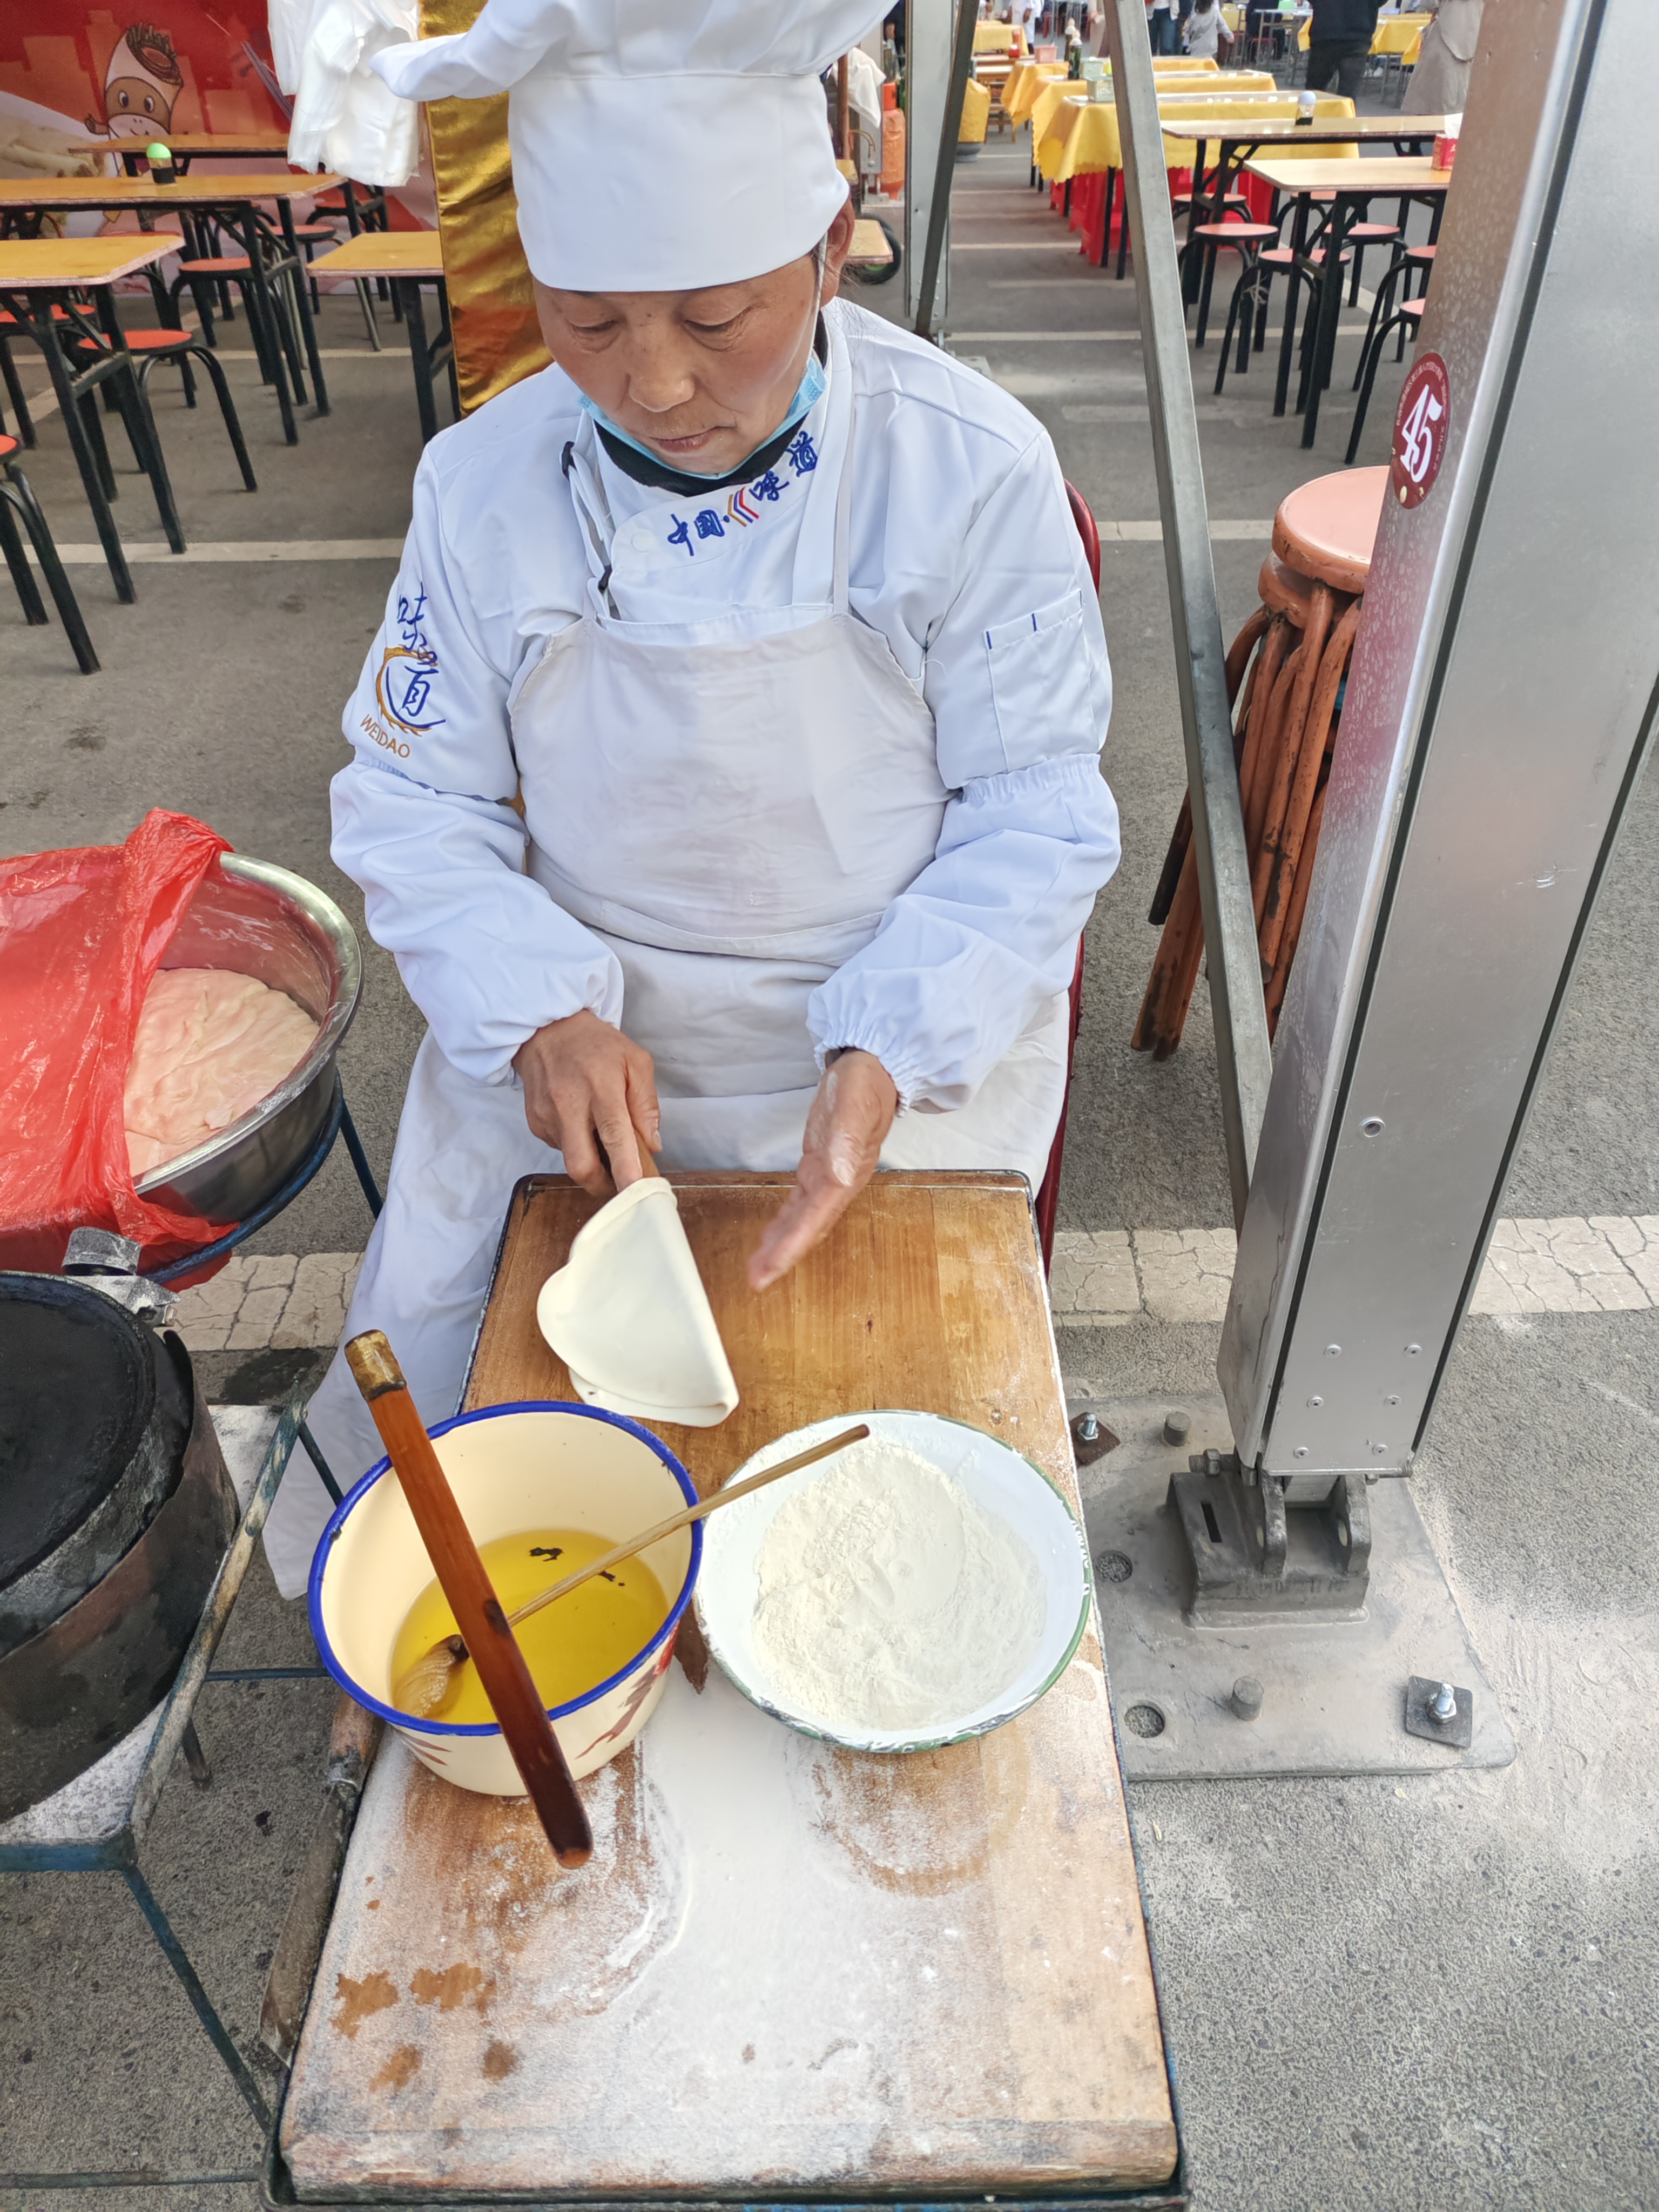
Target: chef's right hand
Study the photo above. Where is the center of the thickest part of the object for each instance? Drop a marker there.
(584, 1080)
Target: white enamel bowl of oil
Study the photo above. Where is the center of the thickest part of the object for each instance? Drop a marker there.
(512, 1467)
(1001, 1481)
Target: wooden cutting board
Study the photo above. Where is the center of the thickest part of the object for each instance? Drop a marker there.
(788, 1968)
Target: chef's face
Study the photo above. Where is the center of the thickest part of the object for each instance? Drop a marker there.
(700, 377)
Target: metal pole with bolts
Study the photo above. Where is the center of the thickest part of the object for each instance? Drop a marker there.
(1243, 1051)
(929, 45)
(1484, 765)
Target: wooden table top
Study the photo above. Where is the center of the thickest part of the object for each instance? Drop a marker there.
(1406, 173)
(228, 144)
(788, 1968)
(219, 191)
(1333, 132)
(32, 264)
(384, 253)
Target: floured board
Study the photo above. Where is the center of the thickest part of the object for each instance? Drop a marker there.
(787, 1968)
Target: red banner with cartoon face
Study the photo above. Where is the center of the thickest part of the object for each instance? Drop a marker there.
(135, 71)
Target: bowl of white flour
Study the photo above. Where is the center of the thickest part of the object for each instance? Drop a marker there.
(919, 1588)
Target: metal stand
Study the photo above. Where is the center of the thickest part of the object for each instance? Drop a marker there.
(1188, 1615)
(339, 1123)
(62, 1836)
(1478, 781)
(929, 159)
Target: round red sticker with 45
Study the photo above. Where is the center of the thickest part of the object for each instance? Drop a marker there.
(1420, 430)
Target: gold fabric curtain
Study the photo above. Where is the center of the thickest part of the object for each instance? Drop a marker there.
(491, 304)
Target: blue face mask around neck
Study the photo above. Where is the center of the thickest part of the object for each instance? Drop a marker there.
(808, 393)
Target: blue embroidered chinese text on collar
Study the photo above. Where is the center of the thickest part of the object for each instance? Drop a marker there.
(745, 506)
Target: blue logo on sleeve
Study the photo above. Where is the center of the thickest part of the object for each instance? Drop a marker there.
(408, 673)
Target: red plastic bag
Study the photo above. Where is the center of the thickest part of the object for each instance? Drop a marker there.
(81, 933)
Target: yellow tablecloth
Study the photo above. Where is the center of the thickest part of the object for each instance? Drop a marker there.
(1401, 34)
(1082, 140)
(989, 38)
(1025, 81)
(975, 113)
(1054, 99)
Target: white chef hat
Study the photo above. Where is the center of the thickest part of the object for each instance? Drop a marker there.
(658, 145)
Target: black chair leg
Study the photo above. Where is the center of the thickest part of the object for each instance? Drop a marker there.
(1233, 307)
(87, 407)
(18, 491)
(1206, 283)
(1382, 308)
(226, 408)
(33, 607)
(201, 294)
(14, 394)
(1368, 360)
(365, 300)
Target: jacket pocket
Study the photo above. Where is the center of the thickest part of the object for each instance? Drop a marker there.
(1041, 679)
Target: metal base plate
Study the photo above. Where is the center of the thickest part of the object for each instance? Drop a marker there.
(1334, 1691)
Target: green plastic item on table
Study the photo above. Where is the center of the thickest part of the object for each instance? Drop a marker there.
(156, 151)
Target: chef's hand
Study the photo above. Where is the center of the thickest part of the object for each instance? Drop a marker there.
(584, 1079)
(850, 1117)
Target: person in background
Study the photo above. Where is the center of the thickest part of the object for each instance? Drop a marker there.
(1339, 42)
(1205, 31)
(1440, 82)
(1163, 26)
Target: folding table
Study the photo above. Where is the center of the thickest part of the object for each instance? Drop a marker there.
(406, 259)
(37, 275)
(1352, 185)
(232, 203)
(1237, 145)
(187, 146)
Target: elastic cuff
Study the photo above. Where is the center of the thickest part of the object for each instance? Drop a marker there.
(906, 1080)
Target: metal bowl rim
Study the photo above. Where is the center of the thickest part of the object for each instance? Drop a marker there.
(321, 910)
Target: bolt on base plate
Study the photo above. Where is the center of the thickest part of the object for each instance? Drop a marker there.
(1436, 1717)
(1333, 1692)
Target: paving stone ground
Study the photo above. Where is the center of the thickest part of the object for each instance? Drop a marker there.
(1100, 1277)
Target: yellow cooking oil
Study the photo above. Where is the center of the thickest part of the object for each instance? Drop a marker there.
(570, 1646)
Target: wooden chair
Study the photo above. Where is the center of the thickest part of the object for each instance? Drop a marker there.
(1286, 671)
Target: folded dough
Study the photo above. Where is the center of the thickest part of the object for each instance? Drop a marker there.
(628, 1315)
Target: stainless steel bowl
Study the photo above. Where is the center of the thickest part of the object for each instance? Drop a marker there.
(265, 922)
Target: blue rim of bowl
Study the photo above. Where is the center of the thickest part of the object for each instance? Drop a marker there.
(803, 1727)
(337, 1521)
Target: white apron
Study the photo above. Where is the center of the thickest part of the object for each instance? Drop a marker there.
(815, 799)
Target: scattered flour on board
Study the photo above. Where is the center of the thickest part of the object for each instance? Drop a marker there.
(890, 1600)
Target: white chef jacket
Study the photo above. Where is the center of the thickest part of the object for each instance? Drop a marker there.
(964, 555)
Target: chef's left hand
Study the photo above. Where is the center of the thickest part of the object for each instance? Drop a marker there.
(850, 1118)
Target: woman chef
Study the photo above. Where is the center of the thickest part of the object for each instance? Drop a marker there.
(774, 620)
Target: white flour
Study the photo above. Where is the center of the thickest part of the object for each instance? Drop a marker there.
(890, 1600)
